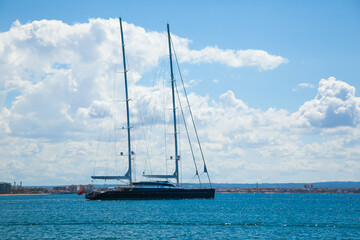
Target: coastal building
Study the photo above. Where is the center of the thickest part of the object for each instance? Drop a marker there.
(73, 188)
(5, 187)
(86, 187)
(59, 189)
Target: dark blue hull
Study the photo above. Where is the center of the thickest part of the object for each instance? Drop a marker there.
(151, 194)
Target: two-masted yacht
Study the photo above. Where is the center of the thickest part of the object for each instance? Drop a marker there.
(169, 186)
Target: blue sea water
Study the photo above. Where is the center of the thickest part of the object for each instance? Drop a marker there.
(228, 216)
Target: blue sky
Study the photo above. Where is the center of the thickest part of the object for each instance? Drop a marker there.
(314, 40)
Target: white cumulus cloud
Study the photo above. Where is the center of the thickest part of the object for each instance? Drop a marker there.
(232, 58)
(335, 105)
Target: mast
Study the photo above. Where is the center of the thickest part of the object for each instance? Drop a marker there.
(129, 173)
(177, 158)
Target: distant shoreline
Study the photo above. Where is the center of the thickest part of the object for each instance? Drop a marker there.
(240, 190)
(23, 194)
(291, 190)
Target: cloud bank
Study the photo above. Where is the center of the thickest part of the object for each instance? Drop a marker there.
(56, 88)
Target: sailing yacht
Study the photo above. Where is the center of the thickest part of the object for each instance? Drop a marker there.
(147, 190)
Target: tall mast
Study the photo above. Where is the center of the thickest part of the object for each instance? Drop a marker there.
(129, 173)
(177, 158)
